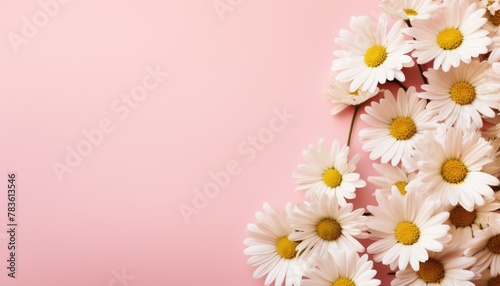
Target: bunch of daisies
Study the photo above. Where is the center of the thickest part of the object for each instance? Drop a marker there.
(436, 152)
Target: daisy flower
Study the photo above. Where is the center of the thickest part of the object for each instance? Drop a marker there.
(410, 9)
(461, 95)
(448, 267)
(395, 125)
(391, 177)
(371, 55)
(340, 95)
(464, 223)
(343, 268)
(271, 249)
(452, 36)
(492, 5)
(405, 228)
(323, 227)
(450, 168)
(485, 246)
(328, 171)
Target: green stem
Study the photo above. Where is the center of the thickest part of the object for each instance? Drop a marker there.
(419, 66)
(400, 84)
(422, 74)
(356, 108)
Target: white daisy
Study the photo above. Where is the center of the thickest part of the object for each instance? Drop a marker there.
(410, 9)
(271, 249)
(328, 171)
(371, 55)
(485, 246)
(464, 223)
(345, 268)
(452, 36)
(450, 168)
(322, 226)
(405, 228)
(395, 125)
(448, 267)
(391, 177)
(461, 95)
(492, 5)
(340, 95)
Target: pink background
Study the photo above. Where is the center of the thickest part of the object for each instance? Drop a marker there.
(119, 208)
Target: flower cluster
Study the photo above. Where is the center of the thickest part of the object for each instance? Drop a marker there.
(435, 147)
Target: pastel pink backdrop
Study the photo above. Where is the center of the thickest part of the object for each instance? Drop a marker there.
(119, 208)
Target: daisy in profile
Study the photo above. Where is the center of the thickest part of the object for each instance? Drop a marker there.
(391, 178)
(323, 227)
(344, 268)
(271, 249)
(340, 95)
(406, 227)
(464, 223)
(371, 54)
(460, 96)
(455, 35)
(328, 171)
(485, 246)
(410, 9)
(395, 124)
(448, 267)
(450, 166)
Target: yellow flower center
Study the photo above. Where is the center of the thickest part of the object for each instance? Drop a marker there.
(495, 19)
(450, 39)
(494, 244)
(332, 178)
(431, 271)
(454, 171)
(343, 281)
(354, 93)
(407, 233)
(328, 229)
(401, 187)
(402, 128)
(286, 247)
(410, 12)
(463, 93)
(460, 217)
(495, 281)
(375, 56)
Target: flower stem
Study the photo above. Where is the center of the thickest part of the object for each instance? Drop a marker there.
(400, 84)
(356, 108)
(422, 74)
(419, 66)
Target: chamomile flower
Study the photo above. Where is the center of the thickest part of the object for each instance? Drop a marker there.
(344, 268)
(271, 249)
(391, 178)
(410, 9)
(485, 246)
(406, 227)
(448, 267)
(370, 54)
(328, 171)
(340, 95)
(464, 223)
(453, 36)
(492, 5)
(324, 227)
(450, 166)
(461, 95)
(395, 125)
